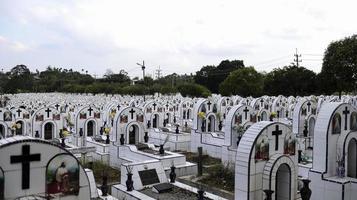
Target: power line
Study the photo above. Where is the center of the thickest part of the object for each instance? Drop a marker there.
(272, 60)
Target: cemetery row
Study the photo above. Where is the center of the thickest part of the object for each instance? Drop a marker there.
(280, 147)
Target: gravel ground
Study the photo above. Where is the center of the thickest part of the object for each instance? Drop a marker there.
(175, 194)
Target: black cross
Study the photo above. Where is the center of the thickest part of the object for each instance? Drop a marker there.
(90, 111)
(132, 111)
(118, 107)
(25, 160)
(48, 112)
(18, 112)
(154, 105)
(346, 112)
(308, 106)
(57, 106)
(245, 112)
(277, 132)
(209, 105)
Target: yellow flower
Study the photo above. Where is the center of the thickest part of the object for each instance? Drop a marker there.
(65, 133)
(112, 114)
(201, 115)
(14, 126)
(106, 130)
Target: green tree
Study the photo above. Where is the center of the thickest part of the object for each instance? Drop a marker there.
(20, 80)
(122, 77)
(193, 90)
(339, 67)
(290, 80)
(211, 76)
(244, 82)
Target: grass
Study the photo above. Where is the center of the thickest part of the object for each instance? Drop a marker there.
(99, 168)
(219, 176)
(206, 159)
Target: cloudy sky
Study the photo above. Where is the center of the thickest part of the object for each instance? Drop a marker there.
(177, 35)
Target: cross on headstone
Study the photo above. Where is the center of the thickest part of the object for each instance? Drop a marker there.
(57, 106)
(48, 112)
(90, 111)
(154, 105)
(346, 112)
(245, 112)
(277, 132)
(209, 105)
(118, 107)
(25, 160)
(308, 106)
(18, 112)
(132, 111)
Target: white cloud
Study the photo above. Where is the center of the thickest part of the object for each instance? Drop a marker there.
(12, 46)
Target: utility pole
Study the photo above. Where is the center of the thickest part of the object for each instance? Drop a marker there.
(158, 73)
(143, 68)
(297, 58)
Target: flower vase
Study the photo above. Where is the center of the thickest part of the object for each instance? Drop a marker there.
(341, 171)
(172, 174)
(161, 150)
(62, 143)
(239, 138)
(122, 139)
(305, 191)
(107, 141)
(129, 182)
(146, 137)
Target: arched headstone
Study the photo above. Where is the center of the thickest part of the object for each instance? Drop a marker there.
(266, 160)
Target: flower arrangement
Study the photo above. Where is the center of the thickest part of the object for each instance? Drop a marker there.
(107, 130)
(112, 113)
(65, 132)
(16, 126)
(201, 115)
(340, 169)
(239, 129)
(69, 121)
(273, 114)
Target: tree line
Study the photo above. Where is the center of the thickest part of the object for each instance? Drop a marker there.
(338, 75)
